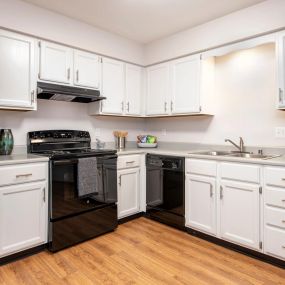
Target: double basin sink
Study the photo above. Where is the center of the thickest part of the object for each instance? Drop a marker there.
(237, 154)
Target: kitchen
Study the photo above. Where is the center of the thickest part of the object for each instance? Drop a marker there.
(229, 202)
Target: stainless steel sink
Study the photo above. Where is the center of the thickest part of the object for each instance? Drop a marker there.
(253, 155)
(236, 154)
(214, 153)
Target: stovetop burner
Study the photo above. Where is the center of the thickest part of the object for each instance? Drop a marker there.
(63, 144)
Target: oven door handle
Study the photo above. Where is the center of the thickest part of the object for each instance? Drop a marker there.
(65, 161)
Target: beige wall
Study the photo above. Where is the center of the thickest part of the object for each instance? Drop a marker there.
(257, 19)
(23, 17)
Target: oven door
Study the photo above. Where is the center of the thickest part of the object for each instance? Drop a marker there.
(64, 198)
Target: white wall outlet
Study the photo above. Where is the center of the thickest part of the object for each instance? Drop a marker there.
(280, 132)
(163, 132)
(97, 132)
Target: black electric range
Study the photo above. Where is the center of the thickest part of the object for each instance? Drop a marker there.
(74, 218)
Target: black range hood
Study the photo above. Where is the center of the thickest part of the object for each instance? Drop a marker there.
(49, 91)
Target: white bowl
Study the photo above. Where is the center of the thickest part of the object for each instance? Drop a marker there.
(147, 145)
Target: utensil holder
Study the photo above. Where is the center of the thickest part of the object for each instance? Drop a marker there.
(120, 142)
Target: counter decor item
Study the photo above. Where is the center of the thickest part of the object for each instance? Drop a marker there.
(120, 139)
(147, 141)
(6, 142)
(100, 144)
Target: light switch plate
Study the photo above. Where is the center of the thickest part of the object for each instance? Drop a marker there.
(163, 132)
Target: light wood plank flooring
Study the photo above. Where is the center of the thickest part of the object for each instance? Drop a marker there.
(142, 252)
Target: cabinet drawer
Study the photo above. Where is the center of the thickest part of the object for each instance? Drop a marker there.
(275, 196)
(274, 176)
(274, 217)
(201, 167)
(274, 241)
(129, 161)
(21, 173)
(240, 172)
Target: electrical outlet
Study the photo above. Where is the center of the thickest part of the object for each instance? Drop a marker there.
(163, 132)
(97, 132)
(280, 132)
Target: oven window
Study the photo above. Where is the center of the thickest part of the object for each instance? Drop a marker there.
(65, 199)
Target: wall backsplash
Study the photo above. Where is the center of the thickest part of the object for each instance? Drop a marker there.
(63, 115)
(244, 104)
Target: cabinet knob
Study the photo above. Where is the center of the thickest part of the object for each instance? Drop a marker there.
(221, 192)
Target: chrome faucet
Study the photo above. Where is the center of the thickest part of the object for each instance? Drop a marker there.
(241, 144)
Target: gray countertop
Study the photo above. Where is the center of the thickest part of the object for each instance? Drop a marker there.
(193, 153)
(21, 158)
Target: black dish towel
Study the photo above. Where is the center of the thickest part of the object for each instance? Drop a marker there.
(87, 176)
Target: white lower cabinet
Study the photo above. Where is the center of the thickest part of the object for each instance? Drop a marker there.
(23, 216)
(239, 213)
(129, 185)
(128, 192)
(219, 203)
(201, 203)
(274, 211)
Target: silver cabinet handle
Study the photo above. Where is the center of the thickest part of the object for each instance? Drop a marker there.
(122, 104)
(283, 221)
(283, 246)
(165, 107)
(130, 161)
(221, 192)
(23, 175)
(211, 190)
(283, 179)
(171, 106)
(283, 200)
(44, 194)
(120, 180)
(128, 106)
(280, 95)
(77, 75)
(68, 73)
(33, 96)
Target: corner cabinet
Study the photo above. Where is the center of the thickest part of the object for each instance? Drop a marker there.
(17, 70)
(173, 88)
(23, 207)
(113, 86)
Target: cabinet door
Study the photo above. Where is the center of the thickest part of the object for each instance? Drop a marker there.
(280, 54)
(128, 192)
(86, 69)
(23, 217)
(185, 79)
(55, 63)
(158, 87)
(113, 86)
(239, 213)
(17, 70)
(133, 89)
(200, 202)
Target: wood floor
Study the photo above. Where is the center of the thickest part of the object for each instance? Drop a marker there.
(142, 252)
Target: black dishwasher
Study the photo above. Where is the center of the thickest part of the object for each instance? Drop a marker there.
(165, 189)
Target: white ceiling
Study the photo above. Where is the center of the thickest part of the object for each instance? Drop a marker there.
(144, 20)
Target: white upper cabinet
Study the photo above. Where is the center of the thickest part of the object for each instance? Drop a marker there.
(17, 71)
(280, 52)
(55, 63)
(158, 88)
(133, 90)
(185, 81)
(113, 86)
(239, 213)
(86, 69)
